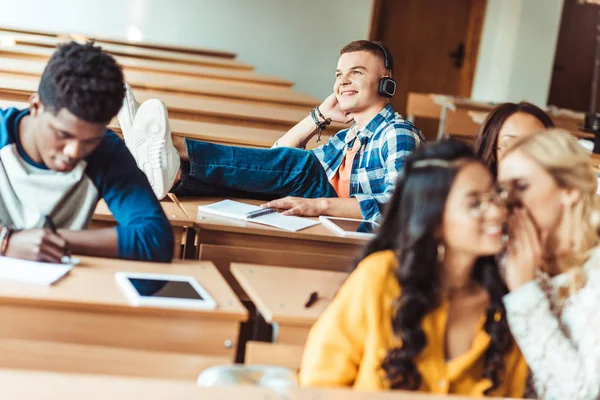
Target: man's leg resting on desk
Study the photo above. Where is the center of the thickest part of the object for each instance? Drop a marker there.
(195, 168)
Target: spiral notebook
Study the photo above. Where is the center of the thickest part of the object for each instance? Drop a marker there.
(265, 216)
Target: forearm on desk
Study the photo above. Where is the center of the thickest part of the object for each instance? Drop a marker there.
(345, 208)
(95, 242)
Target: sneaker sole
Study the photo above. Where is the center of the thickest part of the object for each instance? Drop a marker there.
(149, 135)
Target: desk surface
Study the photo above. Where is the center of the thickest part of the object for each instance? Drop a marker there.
(92, 286)
(17, 384)
(191, 107)
(176, 215)
(41, 53)
(211, 222)
(138, 52)
(122, 41)
(184, 84)
(280, 294)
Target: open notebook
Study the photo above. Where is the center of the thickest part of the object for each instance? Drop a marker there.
(32, 272)
(265, 216)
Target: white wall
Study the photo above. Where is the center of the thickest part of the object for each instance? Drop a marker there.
(517, 50)
(295, 39)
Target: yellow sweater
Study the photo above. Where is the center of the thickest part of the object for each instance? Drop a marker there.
(352, 337)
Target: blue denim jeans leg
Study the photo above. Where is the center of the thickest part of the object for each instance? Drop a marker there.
(229, 171)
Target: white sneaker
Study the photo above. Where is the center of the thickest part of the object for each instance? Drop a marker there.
(152, 147)
(127, 113)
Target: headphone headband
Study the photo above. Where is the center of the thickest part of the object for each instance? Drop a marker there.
(387, 57)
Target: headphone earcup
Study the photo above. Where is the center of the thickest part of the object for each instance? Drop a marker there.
(387, 87)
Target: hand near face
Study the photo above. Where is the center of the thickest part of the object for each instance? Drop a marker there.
(524, 253)
(297, 206)
(330, 108)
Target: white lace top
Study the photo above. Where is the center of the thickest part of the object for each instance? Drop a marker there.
(563, 353)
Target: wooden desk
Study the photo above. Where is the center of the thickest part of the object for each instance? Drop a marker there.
(53, 386)
(210, 132)
(183, 84)
(87, 317)
(72, 386)
(226, 240)
(280, 294)
(189, 107)
(178, 219)
(143, 44)
(176, 69)
(464, 123)
(135, 52)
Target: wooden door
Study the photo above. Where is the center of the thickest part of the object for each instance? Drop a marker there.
(573, 62)
(425, 39)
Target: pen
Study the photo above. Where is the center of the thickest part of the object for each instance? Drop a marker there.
(314, 296)
(48, 223)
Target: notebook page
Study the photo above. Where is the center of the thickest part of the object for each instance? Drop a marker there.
(229, 208)
(31, 272)
(288, 223)
(237, 210)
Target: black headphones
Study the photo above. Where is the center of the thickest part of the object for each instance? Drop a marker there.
(387, 85)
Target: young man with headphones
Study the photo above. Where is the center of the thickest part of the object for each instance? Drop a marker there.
(353, 175)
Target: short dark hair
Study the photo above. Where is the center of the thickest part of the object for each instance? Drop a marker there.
(486, 141)
(85, 80)
(366, 45)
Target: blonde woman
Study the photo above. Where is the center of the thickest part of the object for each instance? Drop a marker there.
(552, 263)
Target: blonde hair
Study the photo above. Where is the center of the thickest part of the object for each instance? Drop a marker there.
(558, 152)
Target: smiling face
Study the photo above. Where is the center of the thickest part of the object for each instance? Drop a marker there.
(537, 191)
(357, 79)
(473, 216)
(61, 139)
(517, 126)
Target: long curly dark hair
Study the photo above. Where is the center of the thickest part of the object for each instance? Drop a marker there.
(411, 218)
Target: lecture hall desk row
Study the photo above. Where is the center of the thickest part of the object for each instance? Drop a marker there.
(209, 132)
(84, 324)
(49, 43)
(61, 386)
(183, 84)
(141, 44)
(166, 67)
(188, 107)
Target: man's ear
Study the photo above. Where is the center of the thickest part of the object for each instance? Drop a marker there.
(35, 105)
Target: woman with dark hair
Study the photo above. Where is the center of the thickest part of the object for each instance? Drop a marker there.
(504, 124)
(423, 309)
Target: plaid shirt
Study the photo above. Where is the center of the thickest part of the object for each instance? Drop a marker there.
(385, 143)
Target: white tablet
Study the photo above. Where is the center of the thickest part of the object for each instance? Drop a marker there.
(163, 290)
(349, 227)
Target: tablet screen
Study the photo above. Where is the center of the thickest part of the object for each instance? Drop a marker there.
(355, 226)
(165, 289)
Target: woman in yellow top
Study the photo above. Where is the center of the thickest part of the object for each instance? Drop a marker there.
(423, 309)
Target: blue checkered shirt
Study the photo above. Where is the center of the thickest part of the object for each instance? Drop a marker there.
(385, 142)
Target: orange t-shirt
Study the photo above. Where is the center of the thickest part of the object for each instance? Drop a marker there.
(341, 180)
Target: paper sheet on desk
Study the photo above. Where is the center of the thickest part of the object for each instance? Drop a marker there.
(237, 210)
(31, 272)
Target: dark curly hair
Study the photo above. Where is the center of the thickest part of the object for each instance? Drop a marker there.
(411, 218)
(486, 142)
(84, 80)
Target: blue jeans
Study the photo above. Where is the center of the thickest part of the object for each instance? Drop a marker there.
(228, 171)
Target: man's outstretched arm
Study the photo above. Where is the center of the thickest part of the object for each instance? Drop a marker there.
(344, 208)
